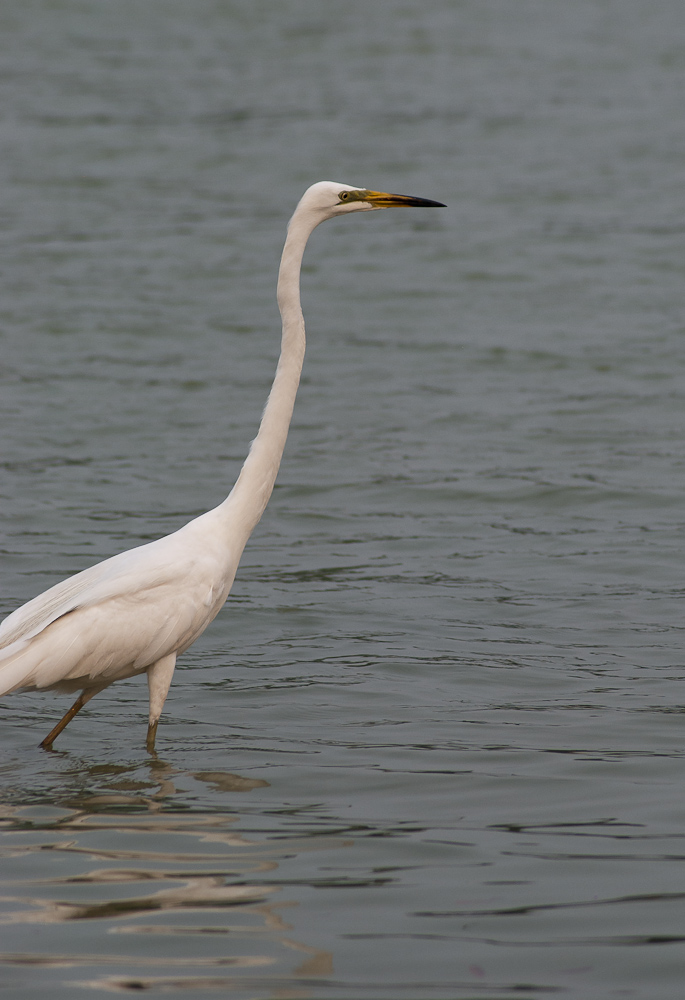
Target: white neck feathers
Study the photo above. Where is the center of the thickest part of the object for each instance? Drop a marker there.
(245, 504)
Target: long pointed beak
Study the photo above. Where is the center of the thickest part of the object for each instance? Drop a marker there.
(381, 199)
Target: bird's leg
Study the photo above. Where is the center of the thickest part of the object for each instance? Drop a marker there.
(158, 680)
(84, 697)
(151, 734)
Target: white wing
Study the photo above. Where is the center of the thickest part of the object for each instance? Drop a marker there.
(120, 616)
(137, 567)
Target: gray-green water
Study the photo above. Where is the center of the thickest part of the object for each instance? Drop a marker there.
(433, 746)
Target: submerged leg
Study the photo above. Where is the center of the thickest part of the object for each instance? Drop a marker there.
(158, 680)
(82, 699)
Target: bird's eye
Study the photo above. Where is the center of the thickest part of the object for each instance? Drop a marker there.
(344, 195)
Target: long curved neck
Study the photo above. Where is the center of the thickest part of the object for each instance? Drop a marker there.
(245, 504)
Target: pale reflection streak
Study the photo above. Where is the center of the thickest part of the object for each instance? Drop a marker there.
(202, 872)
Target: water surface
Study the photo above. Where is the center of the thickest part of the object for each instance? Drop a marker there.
(432, 747)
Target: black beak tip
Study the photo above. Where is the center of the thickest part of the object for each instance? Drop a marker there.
(427, 203)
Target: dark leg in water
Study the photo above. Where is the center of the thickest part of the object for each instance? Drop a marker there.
(151, 734)
(64, 722)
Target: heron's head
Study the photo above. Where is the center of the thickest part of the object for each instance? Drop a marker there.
(327, 199)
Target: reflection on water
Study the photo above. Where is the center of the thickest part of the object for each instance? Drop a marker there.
(196, 881)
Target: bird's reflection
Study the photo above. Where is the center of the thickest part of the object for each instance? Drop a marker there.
(110, 856)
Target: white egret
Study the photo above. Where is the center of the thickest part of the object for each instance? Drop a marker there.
(135, 612)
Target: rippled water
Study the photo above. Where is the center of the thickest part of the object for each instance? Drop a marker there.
(433, 746)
